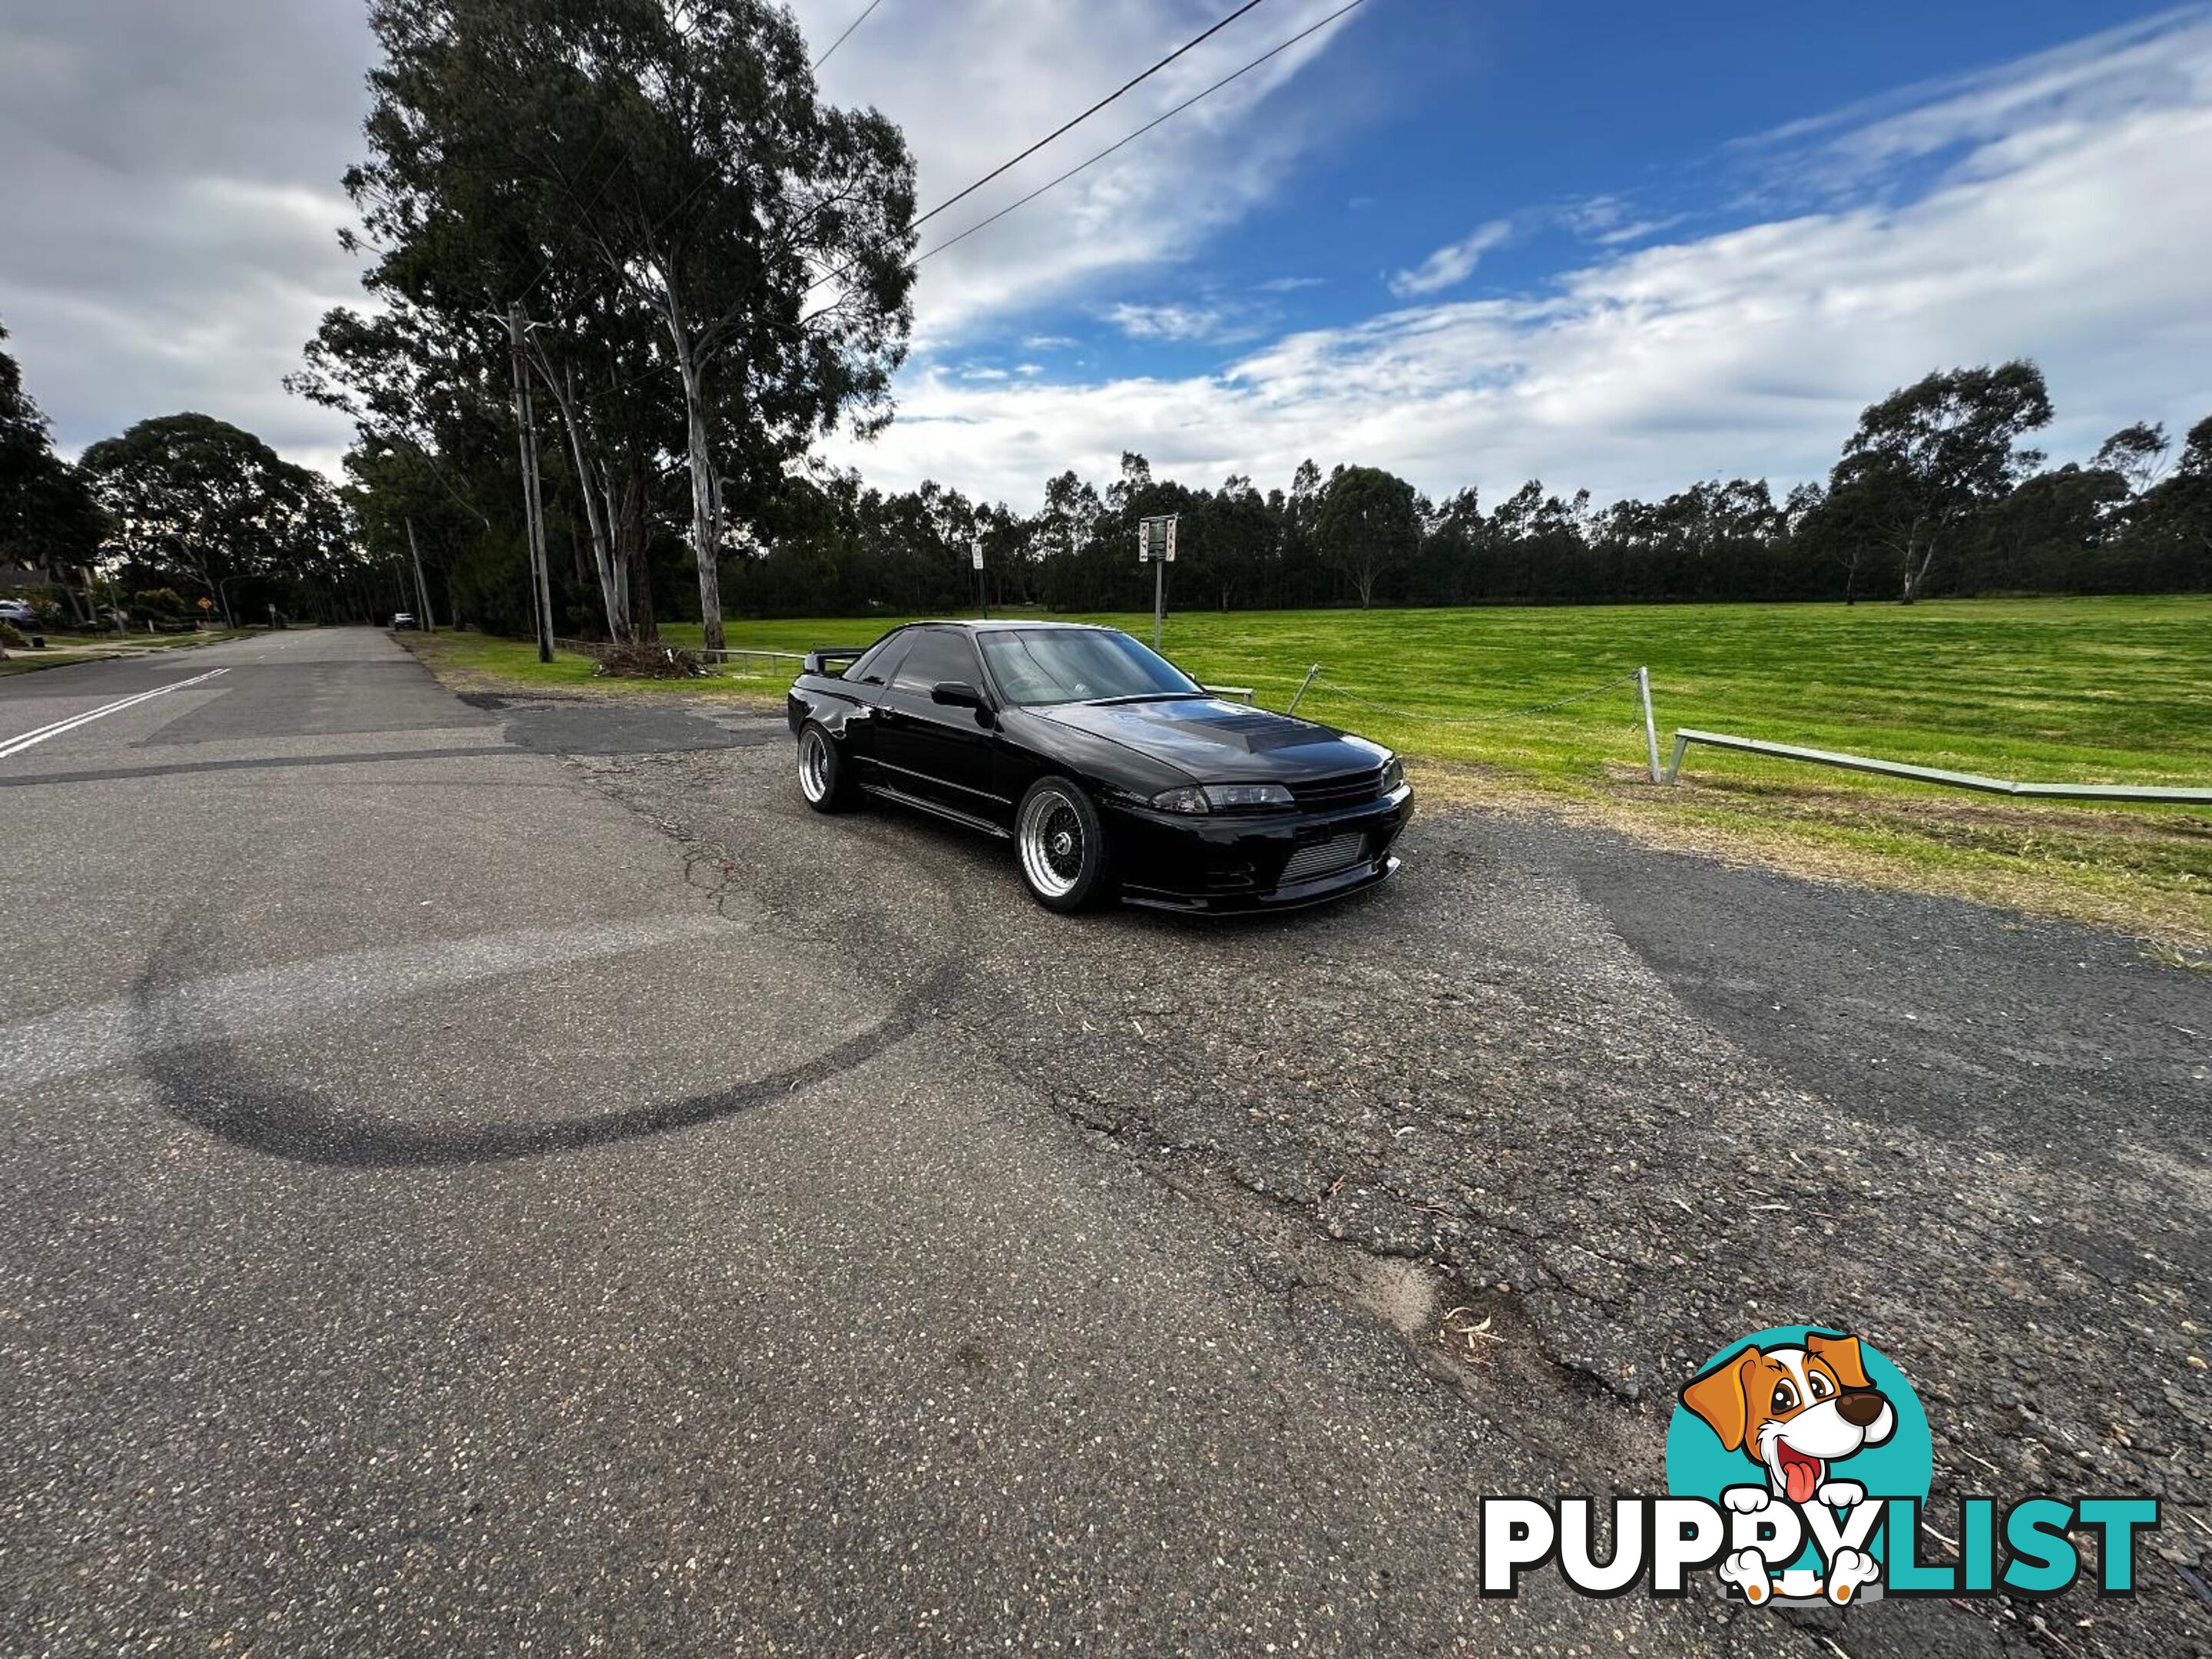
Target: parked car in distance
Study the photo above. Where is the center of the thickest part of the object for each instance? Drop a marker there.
(1112, 771)
(21, 613)
(403, 619)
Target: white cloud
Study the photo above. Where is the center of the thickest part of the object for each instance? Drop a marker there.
(934, 68)
(2078, 240)
(1610, 222)
(1451, 264)
(163, 254)
(1164, 322)
(170, 186)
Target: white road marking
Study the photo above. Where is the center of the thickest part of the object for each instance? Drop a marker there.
(260, 1002)
(18, 744)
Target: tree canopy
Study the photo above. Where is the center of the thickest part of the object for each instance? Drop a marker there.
(714, 260)
(194, 500)
(48, 521)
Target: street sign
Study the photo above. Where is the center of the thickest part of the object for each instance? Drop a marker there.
(1156, 540)
(978, 551)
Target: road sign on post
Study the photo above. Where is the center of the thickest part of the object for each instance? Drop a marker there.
(982, 589)
(1156, 546)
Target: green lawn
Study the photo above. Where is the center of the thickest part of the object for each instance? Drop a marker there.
(484, 662)
(30, 662)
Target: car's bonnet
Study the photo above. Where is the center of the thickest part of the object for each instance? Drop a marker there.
(1219, 742)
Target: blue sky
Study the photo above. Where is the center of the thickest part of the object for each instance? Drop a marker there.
(1456, 116)
(1541, 229)
(1615, 245)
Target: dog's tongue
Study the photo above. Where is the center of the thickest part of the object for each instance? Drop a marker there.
(1803, 1476)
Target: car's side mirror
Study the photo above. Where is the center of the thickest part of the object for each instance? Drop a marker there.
(956, 694)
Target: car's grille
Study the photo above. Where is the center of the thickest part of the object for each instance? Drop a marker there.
(1324, 857)
(1347, 789)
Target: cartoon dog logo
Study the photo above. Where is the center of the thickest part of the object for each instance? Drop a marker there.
(1796, 1412)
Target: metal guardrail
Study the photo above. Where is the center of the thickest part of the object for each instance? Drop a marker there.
(1685, 736)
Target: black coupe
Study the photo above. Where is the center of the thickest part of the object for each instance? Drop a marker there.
(1111, 770)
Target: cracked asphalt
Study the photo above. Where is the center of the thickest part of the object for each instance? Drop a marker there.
(859, 1260)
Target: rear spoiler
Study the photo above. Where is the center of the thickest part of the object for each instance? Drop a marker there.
(818, 662)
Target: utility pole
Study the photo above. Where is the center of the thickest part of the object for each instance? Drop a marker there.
(422, 587)
(533, 511)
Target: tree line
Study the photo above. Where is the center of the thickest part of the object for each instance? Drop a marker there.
(183, 517)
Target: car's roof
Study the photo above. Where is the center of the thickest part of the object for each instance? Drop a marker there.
(1000, 624)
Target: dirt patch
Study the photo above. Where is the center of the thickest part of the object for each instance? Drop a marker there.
(2146, 872)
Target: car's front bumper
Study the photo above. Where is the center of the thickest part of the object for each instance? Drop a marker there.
(1223, 863)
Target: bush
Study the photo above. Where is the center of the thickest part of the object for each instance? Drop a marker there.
(11, 637)
(649, 662)
(161, 603)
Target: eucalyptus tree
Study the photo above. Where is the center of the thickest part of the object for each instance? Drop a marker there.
(1370, 524)
(1930, 454)
(671, 155)
(192, 497)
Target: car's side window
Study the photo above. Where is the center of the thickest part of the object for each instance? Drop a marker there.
(876, 667)
(937, 656)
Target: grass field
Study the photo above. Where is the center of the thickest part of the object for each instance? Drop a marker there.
(2107, 690)
(63, 649)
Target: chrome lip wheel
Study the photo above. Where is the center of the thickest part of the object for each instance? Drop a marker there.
(1050, 836)
(814, 764)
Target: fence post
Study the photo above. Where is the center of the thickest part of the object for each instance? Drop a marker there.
(1303, 684)
(1650, 726)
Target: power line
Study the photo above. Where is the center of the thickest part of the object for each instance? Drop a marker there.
(847, 34)
(1071, 125)
(1148, 126)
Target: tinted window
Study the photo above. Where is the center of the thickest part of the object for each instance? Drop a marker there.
(937, 656)
(1078, 664)
(876, 664)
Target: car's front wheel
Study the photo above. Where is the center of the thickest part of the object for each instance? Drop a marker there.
(824, 779)
(1067, 861)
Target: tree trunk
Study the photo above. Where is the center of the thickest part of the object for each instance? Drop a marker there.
(632, 544)
(603, 558)
(706, 487)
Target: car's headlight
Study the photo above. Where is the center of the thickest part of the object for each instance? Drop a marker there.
(1393, 774)
(1189, 798)
(1243, 797)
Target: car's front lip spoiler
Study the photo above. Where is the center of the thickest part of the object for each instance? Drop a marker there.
(1322, 889)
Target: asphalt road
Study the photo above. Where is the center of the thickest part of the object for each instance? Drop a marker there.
(488, 1177)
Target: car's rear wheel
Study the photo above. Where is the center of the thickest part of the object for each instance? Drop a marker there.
(824, 779)
(1067, 861)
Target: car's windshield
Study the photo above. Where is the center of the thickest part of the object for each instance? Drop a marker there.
(1078, 664)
